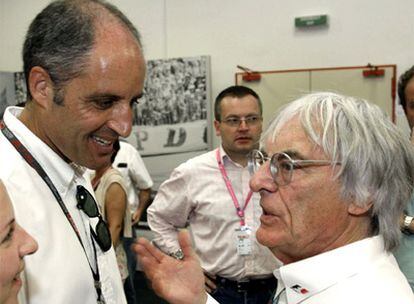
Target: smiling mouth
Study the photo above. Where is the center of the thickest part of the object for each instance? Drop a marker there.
(101, 141)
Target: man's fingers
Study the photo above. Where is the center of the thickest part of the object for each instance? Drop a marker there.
(148, 265)
(145, 249)
(210, 284)
(185, 243)
(147, 260)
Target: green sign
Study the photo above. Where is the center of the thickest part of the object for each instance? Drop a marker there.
(309, 21)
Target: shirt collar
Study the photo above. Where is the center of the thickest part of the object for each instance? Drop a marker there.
(226, 159)
(60, 172)
(311, 276)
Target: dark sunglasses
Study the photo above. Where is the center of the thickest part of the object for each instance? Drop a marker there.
(87, 204)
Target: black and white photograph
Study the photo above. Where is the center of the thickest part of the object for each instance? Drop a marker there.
(20, 88)
(7, 91)
(171, 117)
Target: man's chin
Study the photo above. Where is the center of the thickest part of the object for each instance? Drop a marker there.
(246, 146)
(244, 149)
(266, 237)
(97, 163)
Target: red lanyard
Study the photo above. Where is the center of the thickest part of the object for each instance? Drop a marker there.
(240, 211)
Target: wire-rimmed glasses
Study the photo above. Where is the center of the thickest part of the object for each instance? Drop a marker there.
(235, 121)
(282, 165)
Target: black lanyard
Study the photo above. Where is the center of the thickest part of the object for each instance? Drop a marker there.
(29, 158)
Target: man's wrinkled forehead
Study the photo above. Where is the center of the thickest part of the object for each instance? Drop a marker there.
(270, 136)
(287, 131)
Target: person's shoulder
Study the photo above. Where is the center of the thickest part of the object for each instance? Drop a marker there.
(114, 173)
(381, 282)
(202, 159)
(191, 166)
(365, 288)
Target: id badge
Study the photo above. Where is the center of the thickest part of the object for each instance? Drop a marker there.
(244, 241)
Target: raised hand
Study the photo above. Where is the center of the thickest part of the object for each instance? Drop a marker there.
(177, 281)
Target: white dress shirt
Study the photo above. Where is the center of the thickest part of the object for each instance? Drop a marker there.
(196, 195)
(59, 271)
(135, 173)
(358, 273)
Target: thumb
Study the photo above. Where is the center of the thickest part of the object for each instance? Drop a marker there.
(185, 243)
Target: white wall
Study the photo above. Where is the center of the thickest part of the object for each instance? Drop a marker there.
(258, 34)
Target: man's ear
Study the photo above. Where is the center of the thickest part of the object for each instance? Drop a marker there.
(357, 210)
(217, 127)
(40, 86)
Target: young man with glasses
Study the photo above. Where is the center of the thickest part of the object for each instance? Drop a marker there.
(333, 184)
(80, 95)
(210, 194)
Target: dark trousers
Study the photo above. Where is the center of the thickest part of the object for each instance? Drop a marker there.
(132, 265)
(252, 292)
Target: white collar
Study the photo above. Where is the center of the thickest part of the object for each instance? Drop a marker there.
(60, 172)
(313, 275)
(225, 158)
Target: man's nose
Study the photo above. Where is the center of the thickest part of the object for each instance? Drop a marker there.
(121, 119)
(263, 180)
(243, 124)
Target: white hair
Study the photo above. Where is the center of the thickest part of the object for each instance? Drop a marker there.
(377, 159)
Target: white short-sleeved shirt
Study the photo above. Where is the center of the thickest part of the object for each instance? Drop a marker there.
(130, 164)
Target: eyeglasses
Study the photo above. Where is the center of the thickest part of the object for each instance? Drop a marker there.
(282, 165)
(87, 204)
(236, 121)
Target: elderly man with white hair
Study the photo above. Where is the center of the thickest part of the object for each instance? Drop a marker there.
(334, 176)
